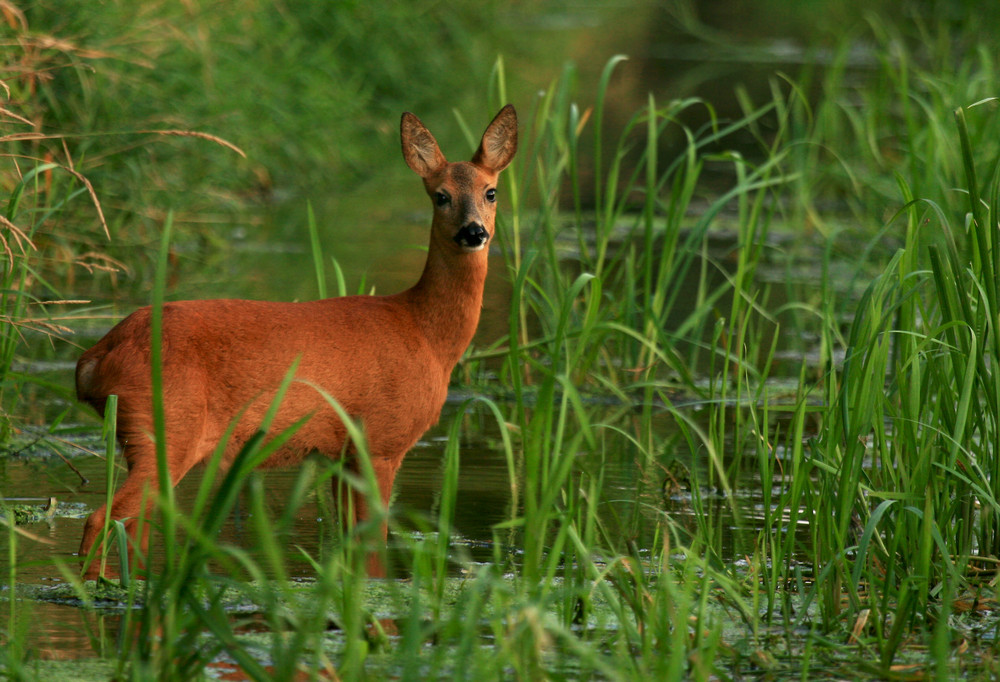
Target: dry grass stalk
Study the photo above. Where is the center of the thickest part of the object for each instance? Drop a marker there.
(23, 241)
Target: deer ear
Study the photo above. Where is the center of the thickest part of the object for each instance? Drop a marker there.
(420, 149)
(499, 141)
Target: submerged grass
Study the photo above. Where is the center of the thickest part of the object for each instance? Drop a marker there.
(876, 464)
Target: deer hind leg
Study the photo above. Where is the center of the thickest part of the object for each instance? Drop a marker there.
(127, 504)
(137, 494)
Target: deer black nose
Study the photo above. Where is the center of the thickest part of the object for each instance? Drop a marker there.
(472, 236)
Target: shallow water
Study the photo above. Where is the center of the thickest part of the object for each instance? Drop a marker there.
(483, 500)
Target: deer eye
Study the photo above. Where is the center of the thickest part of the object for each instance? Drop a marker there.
(441, 199)
(491, 195)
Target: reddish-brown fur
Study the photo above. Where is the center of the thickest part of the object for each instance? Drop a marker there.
(386, 360)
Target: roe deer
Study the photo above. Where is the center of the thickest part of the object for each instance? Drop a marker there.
(387, 360)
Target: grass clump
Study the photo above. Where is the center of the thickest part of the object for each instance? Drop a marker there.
(909, 458)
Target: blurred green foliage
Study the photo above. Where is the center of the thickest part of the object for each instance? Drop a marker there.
(302, 87)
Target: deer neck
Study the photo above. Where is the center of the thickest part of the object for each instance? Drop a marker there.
(447, 300)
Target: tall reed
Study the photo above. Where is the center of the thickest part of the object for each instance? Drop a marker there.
(906, 466)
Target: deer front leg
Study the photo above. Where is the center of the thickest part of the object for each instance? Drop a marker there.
(355, 507)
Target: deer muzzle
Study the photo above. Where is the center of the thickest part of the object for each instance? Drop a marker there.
(472, 237)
